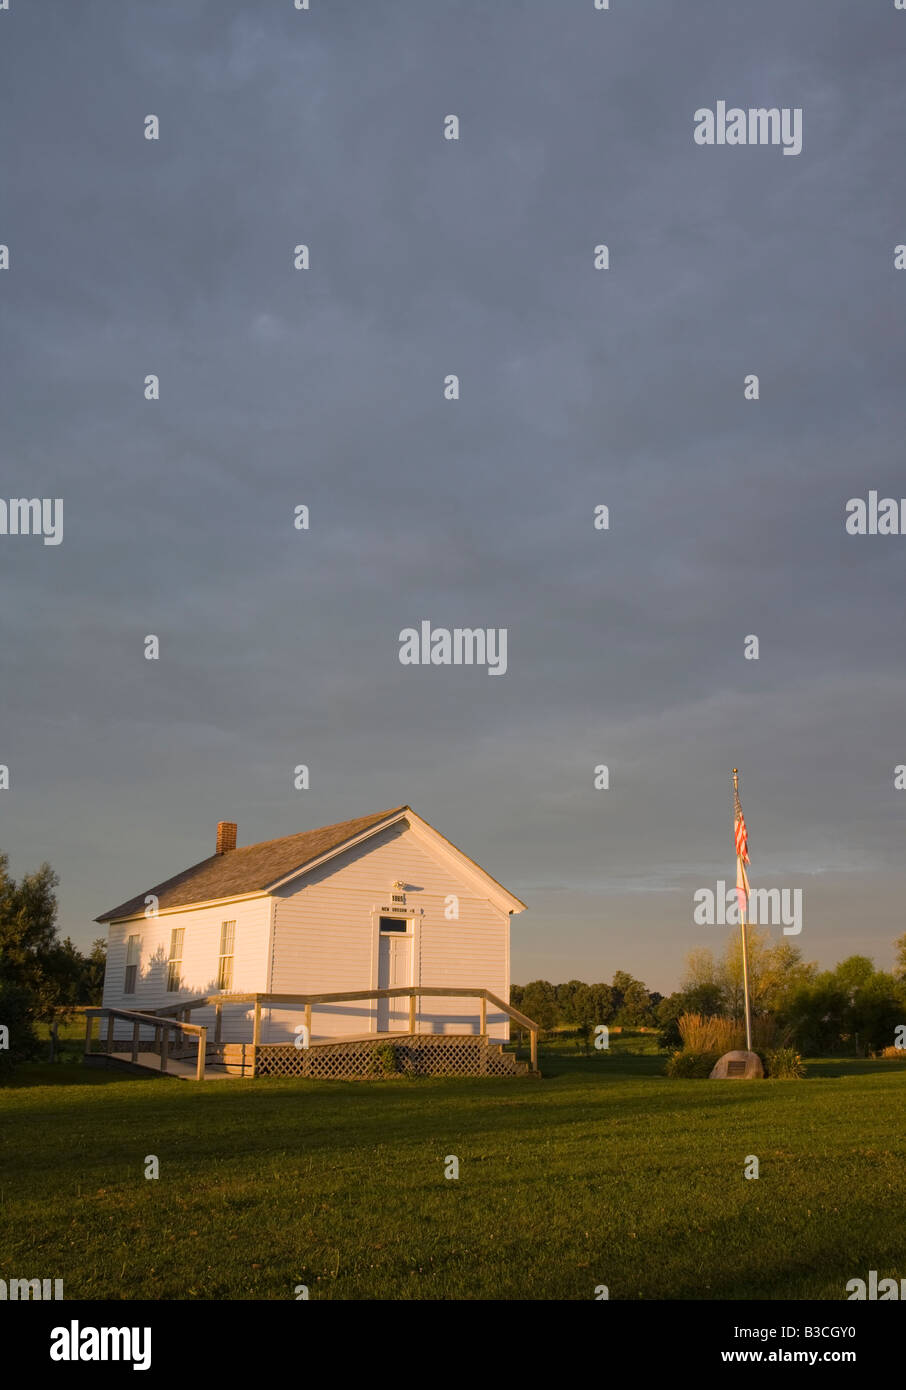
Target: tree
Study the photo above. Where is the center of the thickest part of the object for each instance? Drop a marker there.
(705, 999)
(636, 1010)
(776, 971)
(702, 986)
(872, 1005)
(701, 970)
(815, 1014)
(15, 1014)
(621, 982)
(50, 975)
(852, 1002)
(899, 968)
(631, 1001)
(667, 1013)
(593, 1004)
(28, 925)
(878, 1011)
(93, 973)
(566, 996)
(853, 974)
(539, 1003)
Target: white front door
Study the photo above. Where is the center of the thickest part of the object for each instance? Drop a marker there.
(394, 971)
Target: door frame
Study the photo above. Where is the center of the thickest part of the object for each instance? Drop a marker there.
(412, 918)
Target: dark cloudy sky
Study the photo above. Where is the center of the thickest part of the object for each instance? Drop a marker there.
(278, 387)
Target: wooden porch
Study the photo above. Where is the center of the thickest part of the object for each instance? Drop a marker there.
(182, 1048)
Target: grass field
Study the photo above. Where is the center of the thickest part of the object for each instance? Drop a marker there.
(604, 1172)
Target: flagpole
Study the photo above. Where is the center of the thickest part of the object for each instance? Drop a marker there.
(745, 976)
(743, 914)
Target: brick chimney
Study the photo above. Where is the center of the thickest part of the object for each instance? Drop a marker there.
(226, 836)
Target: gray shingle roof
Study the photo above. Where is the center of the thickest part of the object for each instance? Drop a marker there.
(249, 868)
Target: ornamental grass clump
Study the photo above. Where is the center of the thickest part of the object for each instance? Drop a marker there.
(713, 1033)
(703, 1033)
(689, 1066)
(783, 1064)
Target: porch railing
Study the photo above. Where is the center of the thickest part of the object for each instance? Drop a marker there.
(413, 993)
(162, 1029)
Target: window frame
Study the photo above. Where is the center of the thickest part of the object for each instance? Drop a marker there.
(405, 929)
(177, 940)
(133, 948)
(224, 976)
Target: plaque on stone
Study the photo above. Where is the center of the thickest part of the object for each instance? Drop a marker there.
(739, 1066)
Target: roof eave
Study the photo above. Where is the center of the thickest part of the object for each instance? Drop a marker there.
(341, 848)
(138, 914)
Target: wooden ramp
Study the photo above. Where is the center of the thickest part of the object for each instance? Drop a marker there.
(150, 1062)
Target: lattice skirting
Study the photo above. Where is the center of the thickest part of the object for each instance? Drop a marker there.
(374, 1059)
(365, 1059)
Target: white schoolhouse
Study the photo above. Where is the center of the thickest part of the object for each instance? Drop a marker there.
(379, 902)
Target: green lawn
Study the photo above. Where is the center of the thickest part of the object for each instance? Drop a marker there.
(602, 1173)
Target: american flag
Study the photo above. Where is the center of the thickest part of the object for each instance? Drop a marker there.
(741, 835)
(741, 841)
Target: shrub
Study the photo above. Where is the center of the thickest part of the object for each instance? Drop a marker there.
(783, 1064)
(15, 1013)
(584, 1036)
(689, 1065)
(384, 1060)
(899, 1052)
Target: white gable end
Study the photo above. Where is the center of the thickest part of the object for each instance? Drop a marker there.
(328, 938)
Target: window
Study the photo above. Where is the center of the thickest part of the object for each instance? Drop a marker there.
(225, 970)
(133, 953)
(394, 924)
(175, 961)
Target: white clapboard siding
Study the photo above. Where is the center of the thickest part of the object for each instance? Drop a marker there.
(326, 939)
(472, 951)
(200, 962)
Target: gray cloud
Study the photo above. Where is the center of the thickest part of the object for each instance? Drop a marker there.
(278, 387)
